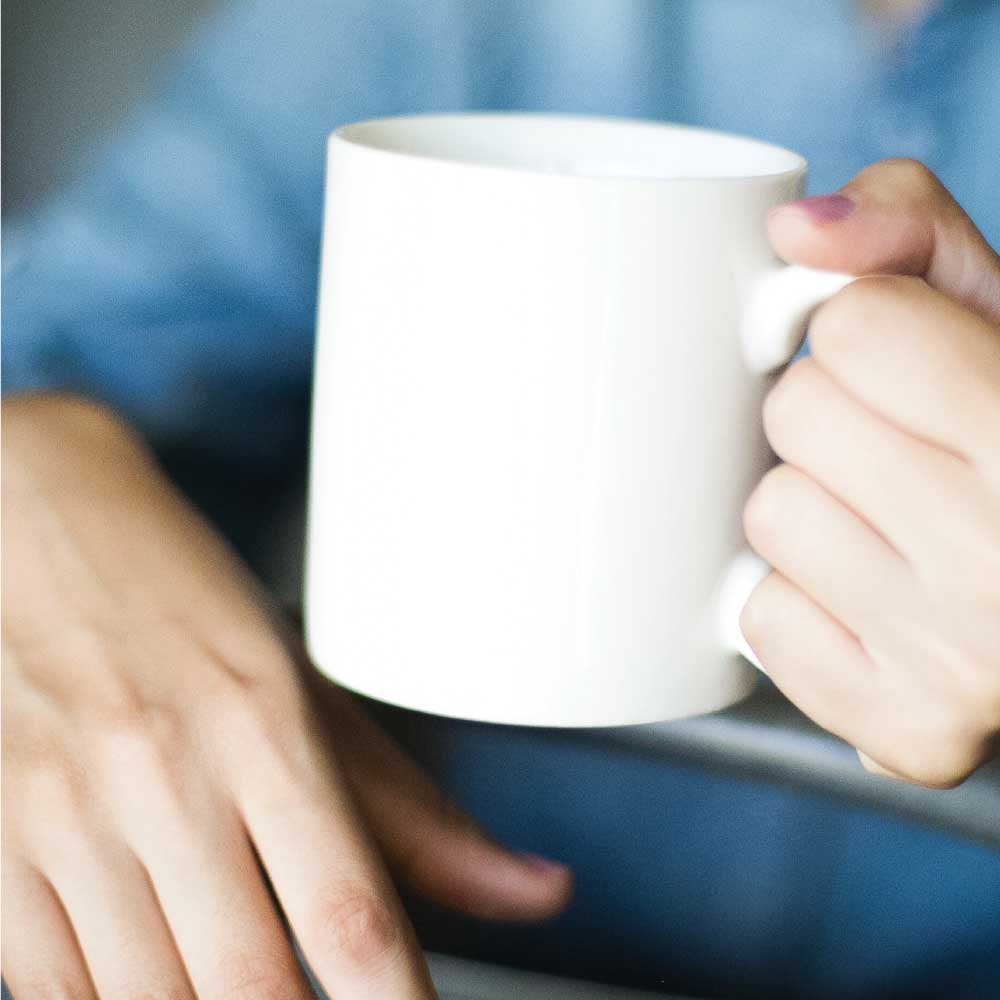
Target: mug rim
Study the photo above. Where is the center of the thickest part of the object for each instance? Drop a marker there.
(353, 135)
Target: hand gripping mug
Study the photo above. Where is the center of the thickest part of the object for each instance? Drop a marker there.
(543, 344)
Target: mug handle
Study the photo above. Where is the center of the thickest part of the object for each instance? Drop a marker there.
(774, 325)
(777, 313)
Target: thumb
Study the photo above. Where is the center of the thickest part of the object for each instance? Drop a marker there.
(895, 217)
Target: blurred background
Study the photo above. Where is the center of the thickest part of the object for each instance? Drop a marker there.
(72, 71)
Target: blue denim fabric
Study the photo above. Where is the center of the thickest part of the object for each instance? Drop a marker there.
(708, 884)
(177, 281)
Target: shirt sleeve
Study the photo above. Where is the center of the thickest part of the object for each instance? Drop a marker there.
(176, 280)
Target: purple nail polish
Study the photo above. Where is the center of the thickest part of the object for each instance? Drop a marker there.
(539, 864)
(826, 207)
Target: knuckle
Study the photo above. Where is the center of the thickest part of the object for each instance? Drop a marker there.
(267, 725)
(238, 709)
(151, 751)
(145, 731)
(146, 742)
(764, 511)
(254, 710)
(358, 926)
(790, 400)
(54, 789)
(910, 175)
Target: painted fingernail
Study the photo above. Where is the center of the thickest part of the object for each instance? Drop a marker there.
(544, 866)
(825, 207)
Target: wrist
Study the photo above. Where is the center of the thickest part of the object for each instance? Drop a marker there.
(64, 448)
(58, 408)
(36, 422)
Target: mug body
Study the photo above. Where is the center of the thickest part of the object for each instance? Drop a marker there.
(533, 430)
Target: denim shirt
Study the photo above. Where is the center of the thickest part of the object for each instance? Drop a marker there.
(177, 278)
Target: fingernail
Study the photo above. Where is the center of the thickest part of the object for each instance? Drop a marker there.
(545, 866)
(825, 207)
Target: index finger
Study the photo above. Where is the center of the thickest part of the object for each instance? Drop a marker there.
(330, 881)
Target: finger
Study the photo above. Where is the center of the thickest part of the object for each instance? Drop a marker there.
(41, 956)
(944, 362)
(817, 543)
(219, 911)
(897, 718)
(812, 658)
(868, 463)
(117, 920)
(895, 217)
(431, 844)
(823, 669)
(332, 886)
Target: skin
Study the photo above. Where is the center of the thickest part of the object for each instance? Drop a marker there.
(881, 619)
(165, 745)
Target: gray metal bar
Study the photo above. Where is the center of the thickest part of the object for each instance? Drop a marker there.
(766, 737)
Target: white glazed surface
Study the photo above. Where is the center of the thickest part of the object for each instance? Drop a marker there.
(534, 428)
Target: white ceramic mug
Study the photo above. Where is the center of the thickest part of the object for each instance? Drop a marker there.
(543, 343)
